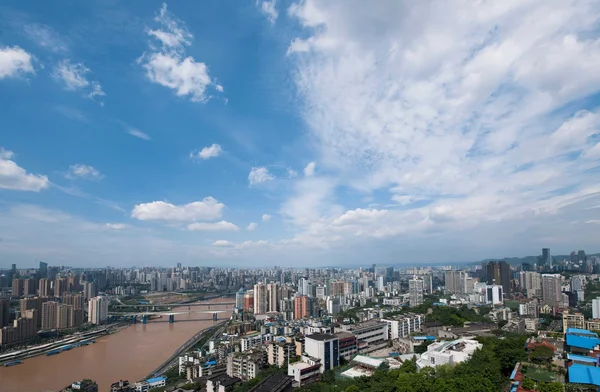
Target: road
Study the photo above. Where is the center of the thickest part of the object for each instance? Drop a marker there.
(174, 359)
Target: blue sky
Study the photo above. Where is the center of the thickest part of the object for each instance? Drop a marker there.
(297, 133)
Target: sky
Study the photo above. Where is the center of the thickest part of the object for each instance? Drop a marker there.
(297, 133)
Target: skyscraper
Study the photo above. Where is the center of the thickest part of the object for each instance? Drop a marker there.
(302, 307)
(551, 289)
(546, 257)
(43, 270)
(18, 287)
(29, 286)
(596, 308)
(90, 290)
(44, 287)
(531, 282)
(261, 301)
(454, 281)
(49, 313)
(98, 310)
(415, 291)
(273, 297)
(4, 312)
(498, 272)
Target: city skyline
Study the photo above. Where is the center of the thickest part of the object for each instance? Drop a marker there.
(281, 133)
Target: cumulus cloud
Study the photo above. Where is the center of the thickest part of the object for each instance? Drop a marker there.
(211, 151)
(259, 175)
(84, 171)
(14, 61)
(266, 217)
(14, 177)
(267, 7)
(74, 77)
(166, 63)
(457, 118)
(309, 170)
(207, 209)
(212, 226)
(252, 226)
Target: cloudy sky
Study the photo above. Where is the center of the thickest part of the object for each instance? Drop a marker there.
(297, 133)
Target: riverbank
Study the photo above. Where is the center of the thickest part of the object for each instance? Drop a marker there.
(72, 341)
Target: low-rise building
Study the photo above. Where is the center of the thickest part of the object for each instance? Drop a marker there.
(403, 326)
(348, 346)
(450, 352)
(274, 383)
(221, 383)
(305, 371)
(370, 335)
(325, 347)
(254, 340)
(145, 386)
(279, 353)
(246, 366)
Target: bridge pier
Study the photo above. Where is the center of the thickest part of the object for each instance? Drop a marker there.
(135, 319)
(171, 318)
(144, 319)
(215, 316)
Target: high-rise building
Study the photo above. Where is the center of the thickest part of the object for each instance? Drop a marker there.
(4, 312)
(273, 297)
(18, 287)
(60, 286)
(498, 272)
(596, 308)
(249, 300)
(428, 283)
(49, 314)
(546, 257)
(454, 281)
(261, 301)
(34, 303)
(239, 299)
(64, 316)
(494, 294)
(98, 310)
(415, 291)
(302, 307)
(43, 270)
(44, 287)
(29, 287)
(581, 256)
(531, 282)
(90, 290)
(551, 289)
(77, 301)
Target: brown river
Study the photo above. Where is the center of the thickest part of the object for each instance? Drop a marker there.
(129, 354)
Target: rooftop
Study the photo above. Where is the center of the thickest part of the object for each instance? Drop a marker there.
(367, 361)
(578, 331)
(155, 379)
(584, 374)
(321, 336)
(582, 341)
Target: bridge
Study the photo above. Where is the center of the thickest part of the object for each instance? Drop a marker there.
(170, 306)
(145, 317)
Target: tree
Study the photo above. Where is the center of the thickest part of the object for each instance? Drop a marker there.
(541, 354)
(550, 387)
(528, 383)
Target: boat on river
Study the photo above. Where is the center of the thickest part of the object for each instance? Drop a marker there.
(12, 363)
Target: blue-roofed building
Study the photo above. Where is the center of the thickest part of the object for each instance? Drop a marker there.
(582, 374)
(156, 382)
(582, 359)
(581, 344)
(428, 337)
(581, 332)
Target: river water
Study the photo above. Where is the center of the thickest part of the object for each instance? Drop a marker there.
(129, 354)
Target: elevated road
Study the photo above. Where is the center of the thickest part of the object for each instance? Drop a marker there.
(208, 304)
(174, 359)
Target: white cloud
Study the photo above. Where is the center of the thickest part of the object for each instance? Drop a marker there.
(14, 61)
(14, 177)
(167, 65)
(116, 226)
(252, 226)
(223, 243)
(449, 114)
(211, 151)
(309, 170)
(259, 175)
(139, 134)
(6, 154)
(207, 209)
(74, 78)
(45, 37)
(292, 173)
(84, 171)
(212, 226)
(267, 7)
(266, 217)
